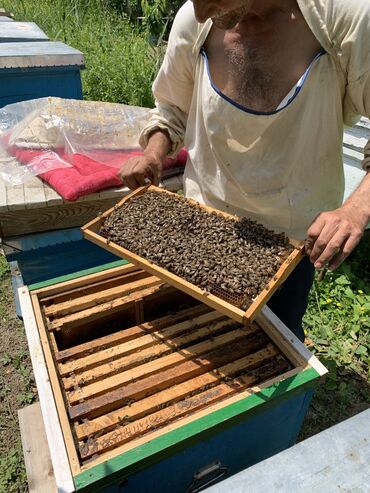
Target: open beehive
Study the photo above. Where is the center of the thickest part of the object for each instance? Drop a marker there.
(133, 361)
(216, 264)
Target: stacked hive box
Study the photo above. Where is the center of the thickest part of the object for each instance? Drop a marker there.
(30, 70)
(155, 391)
(33, 67)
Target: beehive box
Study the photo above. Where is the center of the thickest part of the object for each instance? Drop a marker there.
(33, 69)
(143, 388)
(21, 31)
(148, 246)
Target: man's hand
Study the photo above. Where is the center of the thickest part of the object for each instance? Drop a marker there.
(139, 169)
(333, 235)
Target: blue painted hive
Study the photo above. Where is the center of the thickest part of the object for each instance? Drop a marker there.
(30, 70)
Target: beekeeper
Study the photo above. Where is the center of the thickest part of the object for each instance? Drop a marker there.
(258, 91)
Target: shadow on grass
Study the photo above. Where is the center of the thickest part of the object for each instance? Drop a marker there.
(343, 394)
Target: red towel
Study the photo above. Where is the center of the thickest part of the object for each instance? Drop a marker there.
(84, 175)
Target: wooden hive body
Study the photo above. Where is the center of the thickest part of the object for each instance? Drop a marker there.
(34, 69)
(139, 370)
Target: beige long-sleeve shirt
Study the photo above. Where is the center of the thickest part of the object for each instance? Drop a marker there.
(282, 168)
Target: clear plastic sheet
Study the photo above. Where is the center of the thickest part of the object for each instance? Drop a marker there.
(45, 134)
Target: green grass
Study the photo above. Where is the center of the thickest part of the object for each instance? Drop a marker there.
(338, 323)
(12, 472)
(17, 388)
(338, 317)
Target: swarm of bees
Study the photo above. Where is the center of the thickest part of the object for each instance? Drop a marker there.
(232, 258)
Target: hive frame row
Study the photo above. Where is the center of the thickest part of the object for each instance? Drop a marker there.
(68, 472)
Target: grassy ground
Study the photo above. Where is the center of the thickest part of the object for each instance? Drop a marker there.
(337, 325)
(17, 388)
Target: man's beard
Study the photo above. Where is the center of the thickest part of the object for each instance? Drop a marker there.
(253, 81)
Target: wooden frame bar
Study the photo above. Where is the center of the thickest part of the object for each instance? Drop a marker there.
(61, 459)
(90, 232)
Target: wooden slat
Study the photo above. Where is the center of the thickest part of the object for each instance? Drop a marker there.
(153, 351)
(84, 281)
(158, 365)
(135, 339)
(86, 348)
(18, 220)
(34, 194)
(15, 198)
(94, 287)
(51, 196)
(39, 468)
(166, 378)
(243, 394)
(128, 432)
(57, 391)
(287, 342)
(62, 463)
(99, 298)
(145, 406)
(98, 312)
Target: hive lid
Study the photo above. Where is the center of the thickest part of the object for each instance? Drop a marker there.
(218, 299)
(3, 18)
(21, 31)
(35, 54)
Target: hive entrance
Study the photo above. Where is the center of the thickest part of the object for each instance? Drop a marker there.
(135, 356)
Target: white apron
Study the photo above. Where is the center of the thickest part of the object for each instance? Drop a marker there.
(238, 158)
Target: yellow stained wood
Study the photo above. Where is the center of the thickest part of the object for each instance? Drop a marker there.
(149, 385)
(128, 431)
(148, 369)
(84, 281)
(58, 396)
(138, 409)
(91, 314)
(139, 357)
(84, 302)
(142, 340)
(101, 343)
(94, 287)
(187, 419)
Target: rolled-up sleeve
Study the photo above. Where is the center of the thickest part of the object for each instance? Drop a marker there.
(173, 86)
(349, 25)
(359, 91)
